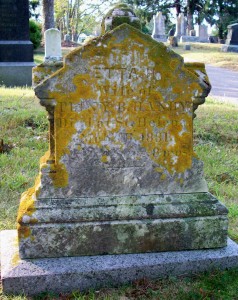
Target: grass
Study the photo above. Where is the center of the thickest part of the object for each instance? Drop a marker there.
(209, 54)
(24, 128)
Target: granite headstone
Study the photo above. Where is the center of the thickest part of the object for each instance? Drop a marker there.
(159, 28)
(16, 50)
(203, 34)
(232, 39)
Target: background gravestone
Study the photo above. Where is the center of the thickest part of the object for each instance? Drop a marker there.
(232, 39)
(202, 33)
(16, 50)
(159, 28)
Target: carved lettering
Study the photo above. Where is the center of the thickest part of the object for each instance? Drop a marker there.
(63, 122)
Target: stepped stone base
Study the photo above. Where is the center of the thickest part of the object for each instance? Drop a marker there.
(122, 224)
(63, 275)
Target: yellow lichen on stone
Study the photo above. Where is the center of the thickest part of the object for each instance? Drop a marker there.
(153, 105)
(15, 258)
(104, 159)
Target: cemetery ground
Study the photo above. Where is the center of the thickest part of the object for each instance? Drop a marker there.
(24, 139)
(200, 52)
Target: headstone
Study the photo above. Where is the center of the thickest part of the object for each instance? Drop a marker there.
(232, 39)
(187, 47)
(120, 140)
(213, 39)
(16, 50)
(53, 57)
(203, 35)
(172, 31)
(67, 37)
(173, 42)
(159, 28)
(180, 26)
(53, 45)
(121, 175)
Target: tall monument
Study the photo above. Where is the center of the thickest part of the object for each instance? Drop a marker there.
(159, 27)
(16, 50)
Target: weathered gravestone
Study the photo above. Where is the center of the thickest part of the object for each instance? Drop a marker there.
(53, 45)
(16, 50)
(180, 26)
(121, 168)
(53, 57)
(232, 39)
(202, 33)
(159, 27)
(120, 175)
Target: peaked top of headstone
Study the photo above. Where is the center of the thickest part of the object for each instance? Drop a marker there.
(125, 37)
(131, 100)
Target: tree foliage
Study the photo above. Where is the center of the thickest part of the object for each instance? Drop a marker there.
(33, 5)
(76, 16)
(35, 33)
(216, 12)
(221, 13)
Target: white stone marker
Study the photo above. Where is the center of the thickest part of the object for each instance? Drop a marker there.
(159, 27)
(203, 35)
(53, 45)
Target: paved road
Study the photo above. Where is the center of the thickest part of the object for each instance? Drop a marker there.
(224, 84)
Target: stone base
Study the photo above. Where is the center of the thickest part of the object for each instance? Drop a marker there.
(190, 39)
(229, 48)
(16, 73)
(122, 224)
(63, 275)
(159, 37)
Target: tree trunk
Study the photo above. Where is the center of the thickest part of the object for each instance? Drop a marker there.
(48, 14)
(189, 16)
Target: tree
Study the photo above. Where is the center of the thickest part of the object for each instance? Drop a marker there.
(221, 13)
(33, 5)
(73, 16)
(48, 14)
